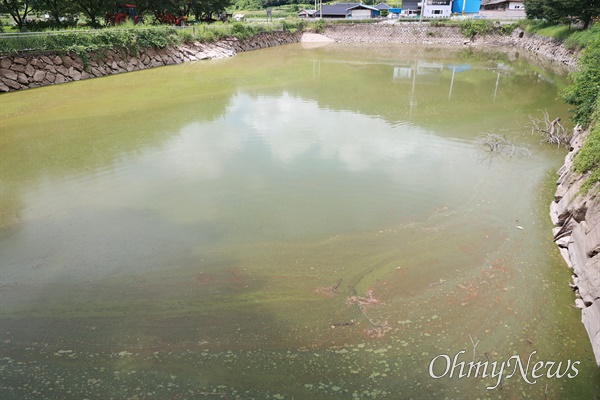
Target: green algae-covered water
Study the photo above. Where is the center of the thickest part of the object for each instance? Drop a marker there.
(291, 223)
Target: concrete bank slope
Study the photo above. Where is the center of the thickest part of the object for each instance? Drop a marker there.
(577, 234)
(34, 70)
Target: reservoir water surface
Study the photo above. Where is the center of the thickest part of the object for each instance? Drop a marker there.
(290, 223)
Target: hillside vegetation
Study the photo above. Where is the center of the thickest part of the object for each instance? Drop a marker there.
(584, 94)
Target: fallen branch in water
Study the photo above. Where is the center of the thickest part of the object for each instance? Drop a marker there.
(497, 144)
(551, 130)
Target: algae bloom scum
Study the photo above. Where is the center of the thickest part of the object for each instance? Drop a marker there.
(289, 223)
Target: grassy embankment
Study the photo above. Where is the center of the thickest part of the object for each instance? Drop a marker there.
(131, 38)
(583, 92)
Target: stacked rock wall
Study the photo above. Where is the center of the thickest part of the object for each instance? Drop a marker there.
(394, 33)
(33, 70)
(577, 234)
(414, 33)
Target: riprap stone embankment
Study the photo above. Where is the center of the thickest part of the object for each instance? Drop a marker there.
(27, 71)
(577, 234)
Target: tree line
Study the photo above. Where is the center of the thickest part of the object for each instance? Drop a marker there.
(63, 12)
(563, 11)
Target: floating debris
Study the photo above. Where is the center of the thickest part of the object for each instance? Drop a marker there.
(370, 299)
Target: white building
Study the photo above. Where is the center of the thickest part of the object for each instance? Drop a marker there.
(504, 5)
(362, 11)
(436, 8)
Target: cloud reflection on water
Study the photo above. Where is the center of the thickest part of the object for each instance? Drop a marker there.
(289, 127)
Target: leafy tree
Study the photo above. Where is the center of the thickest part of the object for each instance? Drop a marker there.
(158, 7)
(205, 9)
(561, 11)
(18, 10)
(201, 9)
(587, 11)
(248, 4)
(534, 9)
(178, 7)
(95, 9)
(57, 9)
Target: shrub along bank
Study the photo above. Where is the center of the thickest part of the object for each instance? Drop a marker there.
(131, 38)
(584, 94)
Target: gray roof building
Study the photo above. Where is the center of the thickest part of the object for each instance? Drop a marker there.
(338, 10)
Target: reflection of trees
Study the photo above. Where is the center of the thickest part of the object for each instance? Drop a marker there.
(94, 123)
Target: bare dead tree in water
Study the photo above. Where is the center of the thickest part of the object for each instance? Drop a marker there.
(499, 145)
(551, 130)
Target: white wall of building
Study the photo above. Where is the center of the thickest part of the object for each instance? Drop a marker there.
(516, 5)
(437, 9)
(361, 14)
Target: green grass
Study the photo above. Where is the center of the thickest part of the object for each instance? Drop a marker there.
(587, 158)
(573, 38)
(582, 39)
(132, 38)
(584, 94)
(584, 91)
(560, 32)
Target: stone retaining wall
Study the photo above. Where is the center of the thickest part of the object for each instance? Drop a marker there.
(577, 234)
(34, 70)
(394, 33)
(549, 48)
(430, 35)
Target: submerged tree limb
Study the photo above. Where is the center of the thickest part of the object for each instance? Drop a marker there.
(551, 130)
(497, 144)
